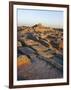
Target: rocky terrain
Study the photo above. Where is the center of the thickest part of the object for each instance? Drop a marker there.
(39, 52)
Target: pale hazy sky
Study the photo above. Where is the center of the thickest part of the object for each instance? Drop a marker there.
(46, 17)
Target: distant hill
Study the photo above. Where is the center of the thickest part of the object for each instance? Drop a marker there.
(38, 28)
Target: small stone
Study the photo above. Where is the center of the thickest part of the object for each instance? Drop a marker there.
(23, 60)
(19, 44)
